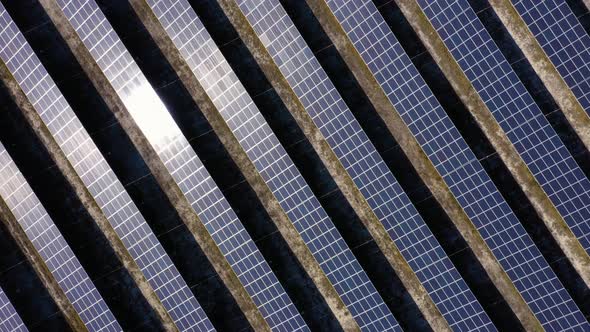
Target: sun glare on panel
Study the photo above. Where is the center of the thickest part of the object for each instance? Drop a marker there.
(150, 114)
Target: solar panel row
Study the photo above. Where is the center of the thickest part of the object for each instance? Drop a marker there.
(531, 134)
(365, 166)
(269, 157)
(182, 162)
(551, 21)
(565, 41)
(52, 247)
(443, 143)
(10, 321)
(100, 180)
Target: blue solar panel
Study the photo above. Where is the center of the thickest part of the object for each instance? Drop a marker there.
(518, 115)
(363, 163)
(565, 41)
(53, 249)
(270, 159)
(534, 139)
(10, 321)
(182, 162)
(440, 140)
(98, 177)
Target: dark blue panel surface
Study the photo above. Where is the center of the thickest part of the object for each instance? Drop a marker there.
(563, 39)
(534, 139)
(369, 172)
(437, 135)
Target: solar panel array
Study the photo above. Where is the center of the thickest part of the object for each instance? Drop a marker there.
(516, 112)
(533, 138)
(10, 321)
(448, 151)
(365, 166)
(552, 23)
(98, 177)
(563, 39)
(182, 162)
(53, 249)
(273, 163)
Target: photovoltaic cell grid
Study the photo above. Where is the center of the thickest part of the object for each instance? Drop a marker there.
(563, 39)
(183, 164)
(366, 167)
(518, 115)
(271, 160)
(53, 249)
(98, 177)
(9, 319)
(532, 136)
(445, 147)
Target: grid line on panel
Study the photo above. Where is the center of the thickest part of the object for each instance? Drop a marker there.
(187, 170)
(53, 249)
(253, 133)
(10, 321)
(565, 41)
(537, 143)
(365, 166)
(97, 175)
(437, 135)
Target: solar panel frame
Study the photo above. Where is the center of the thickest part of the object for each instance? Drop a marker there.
(99, 178)
(564, 40)
(10, 321)
(387, 199)
(53, 248)
(458, 26)
(262, 147)
(185, 167)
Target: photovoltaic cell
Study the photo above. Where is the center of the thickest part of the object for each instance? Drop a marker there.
(365, 166)
(445, 147)
(271, 160)
(53, 249)
(563, 39)
(9, 319)
(537, 143)
(98, 177)
(183, 164)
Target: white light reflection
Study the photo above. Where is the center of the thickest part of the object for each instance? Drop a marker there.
(150, 114)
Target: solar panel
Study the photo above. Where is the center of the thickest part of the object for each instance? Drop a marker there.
(53, 249)
(183, 164)
(10, 321)
(441, 141)
(98, 177)
(271, 160)
(533, 138)
(363, 163)
(565, 41)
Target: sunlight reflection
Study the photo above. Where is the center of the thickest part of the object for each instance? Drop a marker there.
(150, 114)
